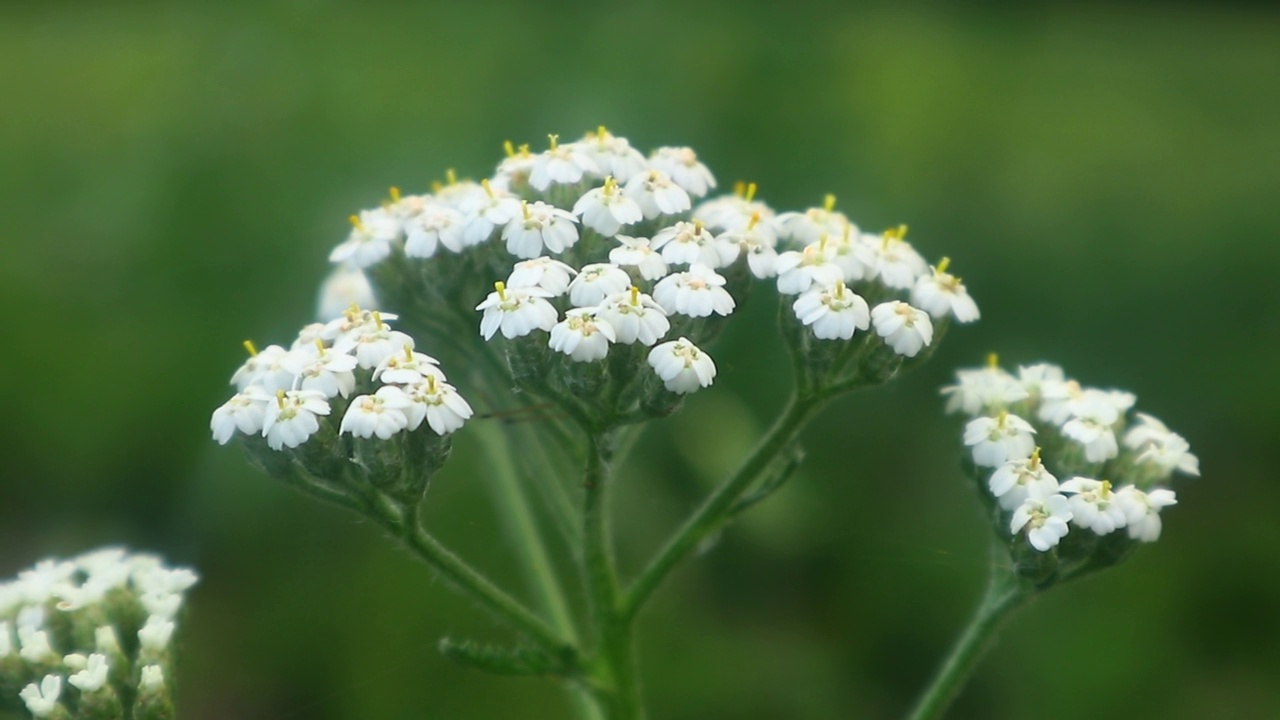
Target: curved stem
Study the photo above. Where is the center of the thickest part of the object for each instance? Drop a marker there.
(1003, 595)
(717, 508)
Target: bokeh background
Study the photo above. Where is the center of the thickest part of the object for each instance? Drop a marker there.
(1105, 177)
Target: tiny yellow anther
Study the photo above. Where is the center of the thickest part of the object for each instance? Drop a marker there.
(249, 346)
(355, 222)
(436, 186)
(751, 192)
(524, 208)
(610, 185)
(739, 188)
(501, 289)
(697, 227)
(280, 398)
(993, 361)
(755, 220)
(840, 289)
(451, 176)
(523, 150)
(508, 148)
(829, 202)
(1105, 490)
(395, 194)
(635, 295)
(487, 189)
(1002, 418)
(431, 384)
(1035, 458)
(377, 320)
(848, 231)
(822, 242)
(408, 353)
(352, 312)
(943, 264)
(554, 140)
(320, 346)
(601, 132)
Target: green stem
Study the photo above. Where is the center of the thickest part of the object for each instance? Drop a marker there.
(1003, 595)
(717, 508)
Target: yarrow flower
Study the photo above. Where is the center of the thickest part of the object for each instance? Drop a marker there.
(833, 312)
(941, 294)
(634, 317)
(372, 234)
(1045, 520)
(540, 226)
(640, 254)
(682, 367)
(582, 335)
(682, 166)
(516, 312)
(606, 209)
(656, 194)
(596, 282)
(904, 328)
(544, 272)
(997, 440)
(698, 292)
(561, 164)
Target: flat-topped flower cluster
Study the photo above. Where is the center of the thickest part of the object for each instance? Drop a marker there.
(286, 395)
(90, 637)
(1058, 455)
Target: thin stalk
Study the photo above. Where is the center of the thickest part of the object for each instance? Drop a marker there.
(718, 507)
(1003, 595)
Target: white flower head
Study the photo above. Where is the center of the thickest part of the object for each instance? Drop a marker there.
(940, 294)
(833, 312)
(439, 404)
(809, 226)
(698, 292)
(1142, 510)
(292, 417)
(686, 243)
(93, 676)
(407, 366)
(682, 165)
(635, 317)
(798, 271)
(561, 164)
(1094, 505)
(596, 282)
(613, 155)
(1045, 520)
(542, 272)
(329, 372)
(436, 225)
(41, 700)
(264, 368)
(904, 328)
(373, 234)
(682, 367)
(606, 209)
(540, 226)
(347, 285)
(516, 312)
(984, 389)
(997, 440)
(639, 253)
(1016, 480)
(897, 264)
(496, 209)
(657, 194)
(582, 335)
(382, 414)
(245, 412)
(1160, 447)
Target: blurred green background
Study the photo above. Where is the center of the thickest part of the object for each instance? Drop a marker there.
(1105, 178)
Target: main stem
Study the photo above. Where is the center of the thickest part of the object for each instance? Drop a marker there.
(1003, 595)
(715, 510)
(616, 660)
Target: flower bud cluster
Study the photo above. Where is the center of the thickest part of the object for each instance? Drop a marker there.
(91, 637)
(1057, 459)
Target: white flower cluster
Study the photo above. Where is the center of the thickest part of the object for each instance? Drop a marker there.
(98, 595)
(283, 394)
(1023, 425)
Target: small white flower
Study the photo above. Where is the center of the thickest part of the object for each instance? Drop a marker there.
(345, 286)
(635, 317)
(1093, 505)
(809, 226)
(984, 389)
(310, 333)
(656, 194)
(75, 662)
(639, 253)
(537, 226)
(582, 336)
(1142, 510)
(152, 678)
(407, 367)
(329, 372)
(436, 225)
(382, 414)
(373, 343)
(349, 324)
(372, 234)
(1045, 519)
(997, 440)
(1161, 447)
(93, 676)
(265, 368)
(1015, 481)
(897, 264)
(42, 700)
(940, 294)
(496, 209)
(686, 243)
(160, 603)
(439, 404)
(161, 579)
(699, 292)
(737, 212)
(1031, 377)
(682, 165)
(34, 644)
(613, 155)
(291, 419)
(465, 196)
(1099, 440)
(516, 312)
(562, 164)
(798, 271)
(756, 240)
(245, 411)
(682, 367)
(155, 634)
(515, 167)
(904, 328)
(596, 282)
(1056, 397)
(834, 312)
(542, 272)
(854, 258)
(606, 209)
(105, 640)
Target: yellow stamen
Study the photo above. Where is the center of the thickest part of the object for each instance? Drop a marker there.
(755, 220)
(829, 202)
(485, 184)
(320, 346)
(601, 133)
(697, 227)
(253, 349)
(395, 194)
(280, 398)
(408, 353)
(377, 320)
(451, 176)
(554, 140)
(431, 384)
(822, 242)
(1035, 459)
(839, 289)
(1002, 418)
(610, 185)
(993, 361)
(436, 186)
(848, 230)
(501, 288)
(355, 222)
(524, 208)
(352, 311)
(635, 295)
(943, 264)
(751, 192)
(524, 150)
(739, 188)
(508, 148)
